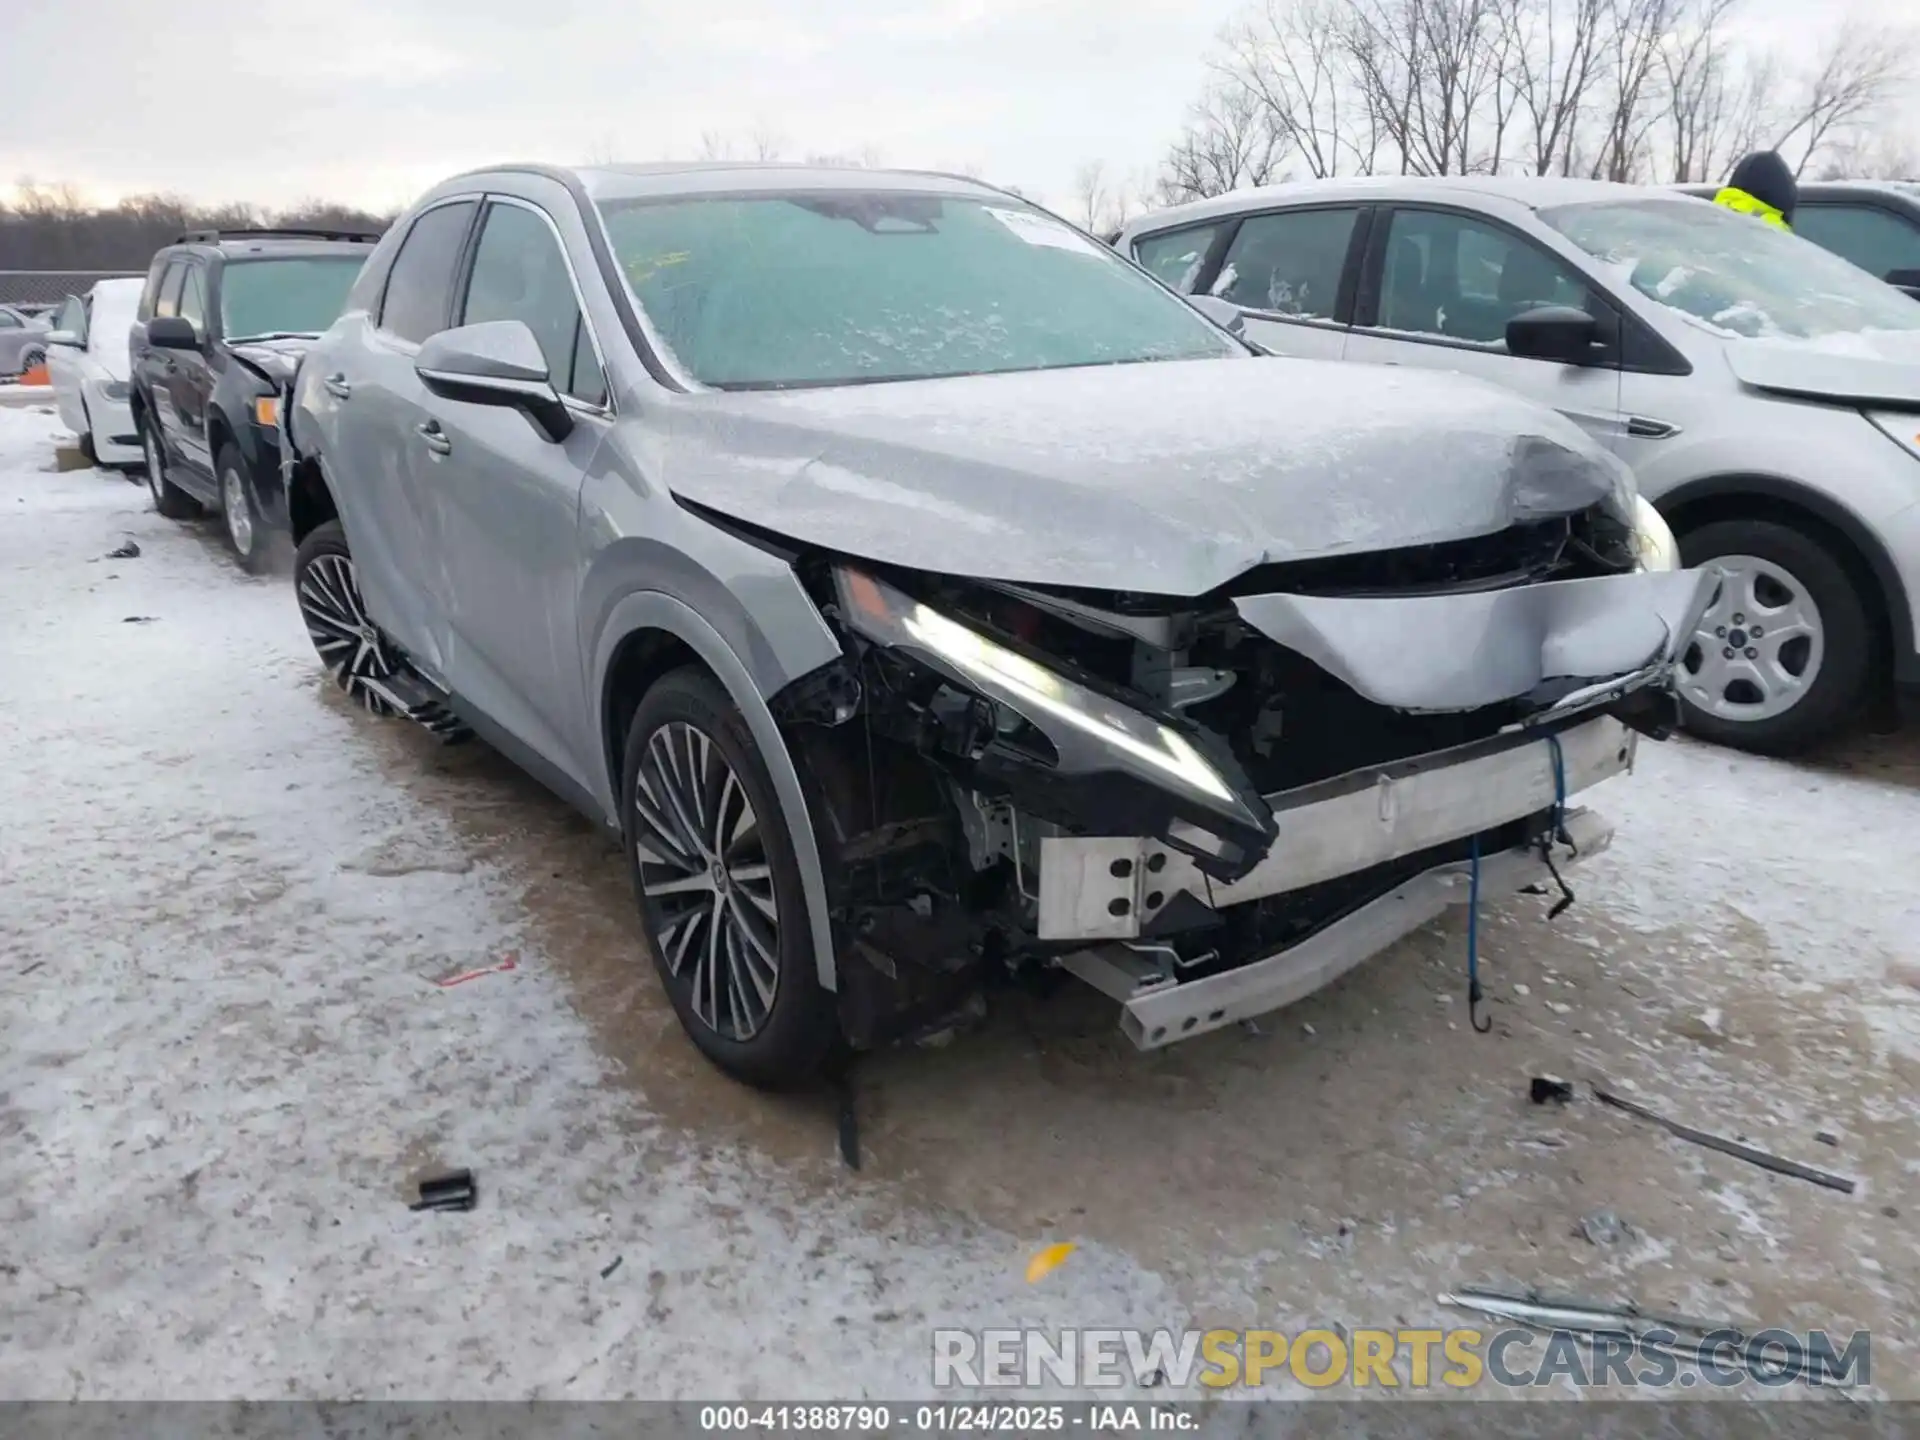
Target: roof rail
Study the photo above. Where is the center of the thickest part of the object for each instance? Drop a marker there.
(274, 232)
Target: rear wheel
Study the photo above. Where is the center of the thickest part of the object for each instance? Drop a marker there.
(169, 499)
(719, 889)
(350, 645)
(241, 516)
(1781, 657)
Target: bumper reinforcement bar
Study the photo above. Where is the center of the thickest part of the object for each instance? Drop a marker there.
(1158, 1010)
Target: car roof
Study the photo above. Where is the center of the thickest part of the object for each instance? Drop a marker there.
(709, 177)
(248, 247)
(1532, 192)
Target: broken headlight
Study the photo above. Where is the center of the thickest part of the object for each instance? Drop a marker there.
(1217, 815)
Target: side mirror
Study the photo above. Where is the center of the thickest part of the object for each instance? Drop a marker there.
(497, 362)
(66, 338)
(170, 332)
(1224, 313)
(1554, 332)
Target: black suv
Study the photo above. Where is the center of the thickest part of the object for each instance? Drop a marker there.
(223, 323)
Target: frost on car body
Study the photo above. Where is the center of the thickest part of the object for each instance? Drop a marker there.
(1035, 623)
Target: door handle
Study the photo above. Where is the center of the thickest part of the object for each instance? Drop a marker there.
(436, 438)
(337, 386)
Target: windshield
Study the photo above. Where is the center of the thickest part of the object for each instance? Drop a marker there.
(1738, 275)
(833, 288)
(285, 297)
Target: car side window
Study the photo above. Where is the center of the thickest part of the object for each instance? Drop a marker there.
(420, 282)
(588, 383)
(520, 273)
(1458, 278)
(7, 322)
(193, 299)
(72, 318)
(1876, 240)
(1175, 257)
(169, 301)
(1289, 264)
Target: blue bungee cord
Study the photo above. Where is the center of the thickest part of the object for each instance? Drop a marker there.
(1556, 830)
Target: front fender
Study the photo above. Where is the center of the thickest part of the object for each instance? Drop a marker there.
(656, 610)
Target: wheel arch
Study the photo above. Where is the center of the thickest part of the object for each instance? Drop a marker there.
(646, 635)
(310, 502)
(1859, 551)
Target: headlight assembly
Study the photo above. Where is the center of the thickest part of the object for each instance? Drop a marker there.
(1653, 541)
(1090, 731)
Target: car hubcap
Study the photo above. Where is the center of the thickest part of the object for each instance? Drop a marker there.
(705, 882)
(233, 492)
(350, 645)
(1758, 648)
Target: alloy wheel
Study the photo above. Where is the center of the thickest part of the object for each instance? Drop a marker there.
(1758, 648)
(705, 881)
(239, 513)
(350, 644)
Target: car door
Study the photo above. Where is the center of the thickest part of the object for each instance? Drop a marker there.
(376, 406)
(1288, 272)
(64, 363)
(507, 499)
(1881, 241)
(1438, 288)
(190, 380)
(159, 367)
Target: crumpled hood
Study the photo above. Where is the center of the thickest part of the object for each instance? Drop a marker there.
(1167, 478)
(1872, 367)
(276, 359)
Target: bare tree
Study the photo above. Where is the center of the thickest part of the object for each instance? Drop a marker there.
(1290, 57)
(1227, 145)
(1556, 59)
(1851, 81)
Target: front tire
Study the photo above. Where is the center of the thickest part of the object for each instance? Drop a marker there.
(168, 498)
(718, 885)
(239, 514)
(1781, 658)
(349, 644)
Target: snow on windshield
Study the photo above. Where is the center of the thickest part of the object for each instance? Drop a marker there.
(1731, 272)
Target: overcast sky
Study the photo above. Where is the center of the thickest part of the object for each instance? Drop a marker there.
(370, 101)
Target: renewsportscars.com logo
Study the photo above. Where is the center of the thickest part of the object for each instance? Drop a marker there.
(1454, 1359)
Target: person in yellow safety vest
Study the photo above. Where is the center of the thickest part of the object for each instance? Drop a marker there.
(1761, 185)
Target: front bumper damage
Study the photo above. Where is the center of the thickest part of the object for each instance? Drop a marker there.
(1147, 861)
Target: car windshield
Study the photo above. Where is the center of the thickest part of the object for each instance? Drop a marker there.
(771, 291)
(1734, 273)
(300, 296)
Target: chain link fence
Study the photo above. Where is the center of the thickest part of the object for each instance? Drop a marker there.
(50, 287)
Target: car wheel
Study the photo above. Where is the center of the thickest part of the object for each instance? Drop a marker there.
(240, 514)
(350, 645)
(1780, 658)
(169, 499)
(719, 886)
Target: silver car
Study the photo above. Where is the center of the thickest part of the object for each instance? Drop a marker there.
(926, 596)
(1765, 392)
(23, 340)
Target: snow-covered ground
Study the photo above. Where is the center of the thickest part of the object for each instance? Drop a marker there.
(225, 897)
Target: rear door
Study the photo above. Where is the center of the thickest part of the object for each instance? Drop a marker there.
(1438, 288)
(507, 500)
(373, 438)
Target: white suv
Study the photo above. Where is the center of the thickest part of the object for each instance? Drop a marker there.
(1766, 392)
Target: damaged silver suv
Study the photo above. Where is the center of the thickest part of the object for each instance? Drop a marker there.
(927, 597)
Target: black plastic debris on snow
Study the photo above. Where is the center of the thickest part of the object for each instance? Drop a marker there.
(128, 551)
(451, 1191)
(139, 619)
(1753, 1155)
(1546, 1089)
(607, 1270)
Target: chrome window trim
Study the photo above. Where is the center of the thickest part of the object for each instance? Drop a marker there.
(573, 402)
(400, 343)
